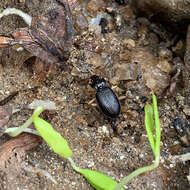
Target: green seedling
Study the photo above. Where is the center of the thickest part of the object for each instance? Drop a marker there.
(152, 124)
(98, 180)
(60, 146)
(39, 106)
(53, 138)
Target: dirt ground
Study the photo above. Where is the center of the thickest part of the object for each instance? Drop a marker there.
(122, 51)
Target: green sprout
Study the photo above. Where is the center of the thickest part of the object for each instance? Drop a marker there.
(60, 146)
(53, 138)
(152, 125)
(97, 179)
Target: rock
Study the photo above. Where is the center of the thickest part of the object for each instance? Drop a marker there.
(75, 71)
(129, 43)
(127, 71)
(80, 21)
(186, 110)
(95, 5)
(156, 77)
(164, 65)
(125, 56)
(94, 59)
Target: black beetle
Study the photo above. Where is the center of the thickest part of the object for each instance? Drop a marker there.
(106, 98)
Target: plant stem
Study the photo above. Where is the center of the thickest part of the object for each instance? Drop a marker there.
(38, 111)
(73, 164)
(155, 144)
(134, 174)
(14, 131)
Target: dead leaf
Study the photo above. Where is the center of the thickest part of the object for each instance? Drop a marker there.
(13, 151)
(5, 41)
(50, 36)
(12, 154)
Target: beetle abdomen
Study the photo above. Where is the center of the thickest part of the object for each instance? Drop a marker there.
(108, 101)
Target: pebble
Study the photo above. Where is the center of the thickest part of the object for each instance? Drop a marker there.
(94, 59)
(141, 156)
(164, 65)
(91, 164)
(154, 78)
(80, 21)
(105, 129)
(127, 71)
(121, 157)
(129, 42)
(95, 5)
(96, 29)
(116, 140)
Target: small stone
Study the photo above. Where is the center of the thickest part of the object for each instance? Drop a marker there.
(121, 157)
(95, 5)
(116, 140)
(154, 78)
(75, 72)
(91, 164)
(94, 59)
(164, 66)
(129, 42)
(178, 46)
(125, 56)
(165, 53)
(21, 1)
(141, 156)
(127, 71)
(105, 129)
(128, 13)
(80, 21)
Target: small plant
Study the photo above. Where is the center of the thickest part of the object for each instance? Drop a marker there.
(60, 146)
(98, 180)
(152, 125)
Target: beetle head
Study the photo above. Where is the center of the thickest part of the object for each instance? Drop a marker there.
(97, 82)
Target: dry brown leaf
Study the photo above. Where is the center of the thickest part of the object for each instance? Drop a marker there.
(12, 156)
(12, 152)
(5, 41)
(50, 35)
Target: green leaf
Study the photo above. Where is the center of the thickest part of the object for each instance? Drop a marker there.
(149, 124)
(151, 115)
(53, 138)
(158, 131)
(98, 180)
